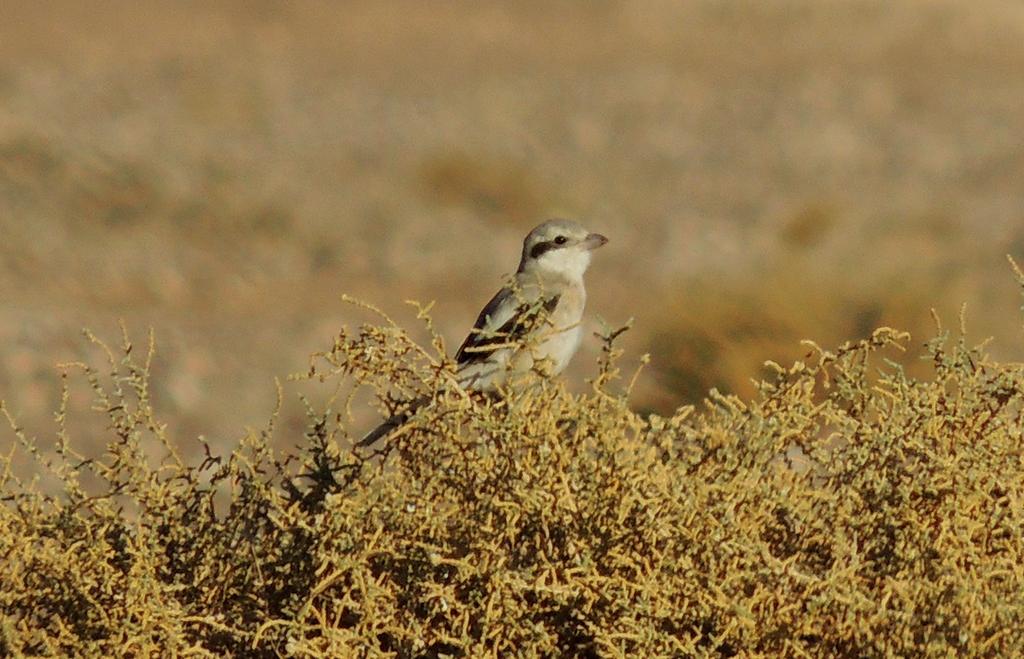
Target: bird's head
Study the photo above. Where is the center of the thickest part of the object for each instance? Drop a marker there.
(559, 249)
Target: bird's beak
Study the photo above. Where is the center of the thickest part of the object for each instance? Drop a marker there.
(594, 240)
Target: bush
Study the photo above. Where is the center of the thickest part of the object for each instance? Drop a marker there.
(847, 510)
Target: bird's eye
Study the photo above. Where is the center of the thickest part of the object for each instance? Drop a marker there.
(561, 240)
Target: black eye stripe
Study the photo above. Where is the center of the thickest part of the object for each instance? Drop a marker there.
(541, 248)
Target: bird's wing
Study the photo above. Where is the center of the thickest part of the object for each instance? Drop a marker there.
(506, 319)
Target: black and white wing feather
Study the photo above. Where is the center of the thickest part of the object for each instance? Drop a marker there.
(506, 321)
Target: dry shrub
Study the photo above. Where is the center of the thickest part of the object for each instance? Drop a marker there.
(847, 510)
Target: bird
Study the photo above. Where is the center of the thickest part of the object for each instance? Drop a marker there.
(532, 325)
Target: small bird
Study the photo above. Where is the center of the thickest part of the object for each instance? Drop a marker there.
(532, 325)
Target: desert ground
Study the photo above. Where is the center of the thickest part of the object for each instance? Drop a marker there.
(223, 172)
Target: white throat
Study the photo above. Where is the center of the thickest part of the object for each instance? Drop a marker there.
(560, 265)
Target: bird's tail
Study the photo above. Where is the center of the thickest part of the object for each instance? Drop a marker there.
(393, 423)
(383, 430)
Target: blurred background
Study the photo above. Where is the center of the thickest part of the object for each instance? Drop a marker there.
(766, 171)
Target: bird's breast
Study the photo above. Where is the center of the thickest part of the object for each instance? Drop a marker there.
(564, 332)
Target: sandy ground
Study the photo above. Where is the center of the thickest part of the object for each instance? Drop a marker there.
(223, 172)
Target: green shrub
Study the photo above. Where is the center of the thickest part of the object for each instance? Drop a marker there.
(847, 510)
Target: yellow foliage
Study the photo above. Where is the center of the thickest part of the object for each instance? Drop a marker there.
(846, 510)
